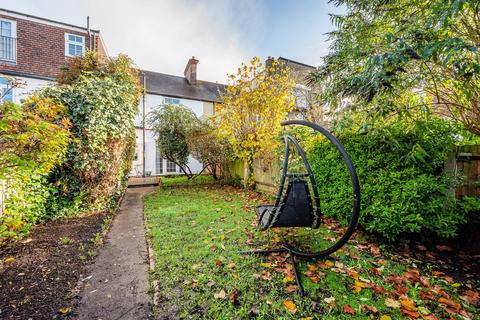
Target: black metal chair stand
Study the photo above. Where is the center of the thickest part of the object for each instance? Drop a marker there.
(299, 205)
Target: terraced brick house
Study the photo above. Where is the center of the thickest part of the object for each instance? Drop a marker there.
(33, 50)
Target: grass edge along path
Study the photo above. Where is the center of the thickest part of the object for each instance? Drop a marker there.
(197, 232)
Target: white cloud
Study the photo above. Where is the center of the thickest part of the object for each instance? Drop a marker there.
(161, 35)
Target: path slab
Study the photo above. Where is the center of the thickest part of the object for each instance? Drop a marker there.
(118, 286)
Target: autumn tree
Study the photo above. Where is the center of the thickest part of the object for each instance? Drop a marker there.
(212, 151)
(256, 101)
(398, 57)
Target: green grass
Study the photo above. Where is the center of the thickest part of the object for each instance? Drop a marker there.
(197, 233)
(184, 181)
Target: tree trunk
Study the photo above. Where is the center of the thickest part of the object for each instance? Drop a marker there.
(247, 172)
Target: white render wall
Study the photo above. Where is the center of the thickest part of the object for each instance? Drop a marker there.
(151, 102)
(30, 85)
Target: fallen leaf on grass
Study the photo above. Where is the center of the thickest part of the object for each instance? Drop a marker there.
(312, 267)
(396, 279)
(315, 279)
(358, 286)
(389, 302)
(471, 297)
(408, 308)
(290, 305)
(410, 314)
(348, 309)
(352, 273)
(330, 300)
(412, 275)
(385, 317)
(194, 283)
(218, 263)
(266, 264)
(450, 303)
(266, 275)
(325, 265)
(376, 271)
(378, 289)
(231, 265)
(9, 259)
(253, 311)
(220, 295)
(288, 279)
(196, 266)
(408, 304)
(233, 297)
(291, 288)
(369, 309)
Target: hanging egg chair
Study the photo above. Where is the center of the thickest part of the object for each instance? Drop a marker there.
(297, 204)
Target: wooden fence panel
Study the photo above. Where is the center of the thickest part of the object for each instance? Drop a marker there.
(468, 166)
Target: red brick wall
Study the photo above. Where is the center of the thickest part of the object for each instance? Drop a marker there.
(40, 48)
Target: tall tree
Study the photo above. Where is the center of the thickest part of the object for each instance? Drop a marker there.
(398, 56)
(258, 98)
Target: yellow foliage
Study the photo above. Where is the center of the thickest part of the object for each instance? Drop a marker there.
(257, 100)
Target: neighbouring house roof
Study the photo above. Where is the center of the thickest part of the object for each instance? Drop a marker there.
(178, 87)
(293, 63)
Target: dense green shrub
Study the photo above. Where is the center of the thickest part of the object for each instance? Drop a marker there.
(401, 166)
(33, 139)
(101, 99)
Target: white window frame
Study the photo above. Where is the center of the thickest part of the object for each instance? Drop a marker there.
(67, 42)
(13, 35)
(14, 26)
(170, 98)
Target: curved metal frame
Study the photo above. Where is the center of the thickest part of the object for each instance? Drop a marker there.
(355, 186)
(356, 199)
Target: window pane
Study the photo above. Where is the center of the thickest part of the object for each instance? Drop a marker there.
(6, 29)
(158, 162)
(6, 94)
(71, 37)
(171, 166)
(78, 50)
(71, 49)
(79, 39)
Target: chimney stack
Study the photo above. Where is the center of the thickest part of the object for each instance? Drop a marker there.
(190, 72)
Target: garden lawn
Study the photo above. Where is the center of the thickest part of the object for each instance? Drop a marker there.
(197, 233)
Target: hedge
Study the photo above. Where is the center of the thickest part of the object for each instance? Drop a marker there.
(405, 188)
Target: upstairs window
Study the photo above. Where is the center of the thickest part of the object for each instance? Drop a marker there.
(8, 45)
(171, 101)
(301, 92)
(74, 45)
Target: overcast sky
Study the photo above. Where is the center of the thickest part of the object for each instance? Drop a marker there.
(160, 35)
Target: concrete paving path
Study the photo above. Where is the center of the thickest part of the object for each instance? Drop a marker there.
(118, 286)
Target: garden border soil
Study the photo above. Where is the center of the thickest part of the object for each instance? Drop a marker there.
(39, 275)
